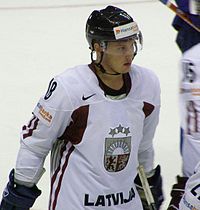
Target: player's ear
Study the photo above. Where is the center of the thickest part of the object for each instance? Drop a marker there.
(97, 47)
(98, 51)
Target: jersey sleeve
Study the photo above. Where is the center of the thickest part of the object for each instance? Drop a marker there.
(189, 6)
(191, 197)
(50, 117)
(146, 150)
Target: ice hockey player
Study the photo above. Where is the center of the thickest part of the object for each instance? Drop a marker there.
(98, 121)
(191, 196)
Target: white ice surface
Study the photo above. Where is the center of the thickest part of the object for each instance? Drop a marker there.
(37, 43)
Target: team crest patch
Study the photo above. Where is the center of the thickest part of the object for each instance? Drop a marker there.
(117, 150)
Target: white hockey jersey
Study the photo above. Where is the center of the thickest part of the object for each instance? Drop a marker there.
(95, 142)
(190, 108)
(191, 198)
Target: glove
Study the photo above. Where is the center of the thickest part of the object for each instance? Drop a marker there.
(155, 183)
(177, 193)
(18, 197)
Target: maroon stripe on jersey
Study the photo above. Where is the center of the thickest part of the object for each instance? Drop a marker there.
(56, 173)
(29, 124)
(195, 117)
(147, 109)
(30, 127)
(61, 176)
(74, 132)
(192, 118)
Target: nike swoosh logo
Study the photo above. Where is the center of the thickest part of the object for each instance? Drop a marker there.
(86, 98)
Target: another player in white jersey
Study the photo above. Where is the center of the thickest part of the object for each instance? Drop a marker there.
(191, 197)
(98, 121)
(188, 40)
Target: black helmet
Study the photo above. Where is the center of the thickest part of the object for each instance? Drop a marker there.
(110, 24)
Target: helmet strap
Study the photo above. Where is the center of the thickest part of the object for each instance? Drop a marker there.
(99, 65)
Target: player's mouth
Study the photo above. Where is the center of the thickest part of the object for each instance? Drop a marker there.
(127, 64)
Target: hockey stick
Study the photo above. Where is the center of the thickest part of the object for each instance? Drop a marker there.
(147, 190)
(180, 13)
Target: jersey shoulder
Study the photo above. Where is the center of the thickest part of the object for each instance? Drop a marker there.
(144, 74)
(79, 83)
(76, 77)
(64, 93)
(146, 84)
(65, 85)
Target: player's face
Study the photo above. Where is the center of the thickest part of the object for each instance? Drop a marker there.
(118, 56)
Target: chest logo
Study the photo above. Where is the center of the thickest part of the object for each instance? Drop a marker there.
(84, 98)
(117, 149)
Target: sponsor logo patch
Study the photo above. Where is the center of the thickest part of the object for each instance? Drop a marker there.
(126, 30)
(44, 113)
